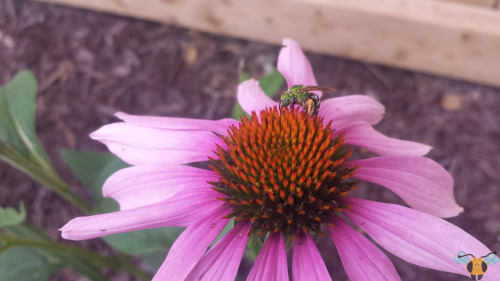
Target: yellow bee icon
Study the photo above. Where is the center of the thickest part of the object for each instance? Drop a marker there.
(477, 266)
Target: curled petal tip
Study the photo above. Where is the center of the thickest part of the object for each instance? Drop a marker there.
(120, 114)
(96, 135)
(286, 42)
(449, 212)
(428, 148)
(458, 212)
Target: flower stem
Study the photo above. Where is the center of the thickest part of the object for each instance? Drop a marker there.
(121, 263)
(43, 174)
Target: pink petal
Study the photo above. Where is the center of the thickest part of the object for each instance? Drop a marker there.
(142, 185)
(294, 66)
(420, 182)
(362, 134)
(345, 110)
(271, 262)
(252, 98)
(356, 250)
(307, 262)
(222, 261)
(416, 237)
(142, 145)
(218, 126)
(181, 209)
(191, 245)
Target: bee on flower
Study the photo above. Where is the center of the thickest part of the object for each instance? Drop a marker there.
(303, 96)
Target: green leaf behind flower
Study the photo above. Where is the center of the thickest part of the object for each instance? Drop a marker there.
(34, 256)
(271, 83)
(9, 216)
(155, 259)
(92, 169)
(27, 264)
(19, 145)
(17, 125)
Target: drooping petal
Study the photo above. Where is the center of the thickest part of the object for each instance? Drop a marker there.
(362, 134)
(307, 262)
(142, 145)
(420, 182)
(271, 262)
(172, 123)
(345, 110)
(222, 261)
(294, 66)
(361, 259)
(416, 237)
(191, 245)
(142, 185)
(181, 209)
(252, 98)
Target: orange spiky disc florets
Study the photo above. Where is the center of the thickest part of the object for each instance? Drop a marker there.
(284, 172)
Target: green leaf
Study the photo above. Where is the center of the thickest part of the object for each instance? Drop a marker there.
(254, 245)
(20, 263)
(27, 232)
(9, 216)
(145, 241)
(27, 264)
(17, 125)
(92, 169)
(238, 112)
(154, 259)
(270, 84)
(81, 266)
(225, 230)
(19, 145)
(16, 262)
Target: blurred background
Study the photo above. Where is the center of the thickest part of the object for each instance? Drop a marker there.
(90, 64)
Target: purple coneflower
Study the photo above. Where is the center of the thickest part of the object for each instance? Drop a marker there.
(284, 176)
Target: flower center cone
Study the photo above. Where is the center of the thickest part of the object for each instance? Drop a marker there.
(283, 173)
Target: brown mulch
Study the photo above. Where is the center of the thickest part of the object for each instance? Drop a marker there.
(90, 65)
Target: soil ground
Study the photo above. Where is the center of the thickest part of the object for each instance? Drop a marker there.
(90, 65)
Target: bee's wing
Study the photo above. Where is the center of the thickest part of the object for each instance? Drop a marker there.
(491, 259)
(462, 260)
(318, 88)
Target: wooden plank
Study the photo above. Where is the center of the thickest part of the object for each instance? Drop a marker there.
(443, 38)
(493, 4)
